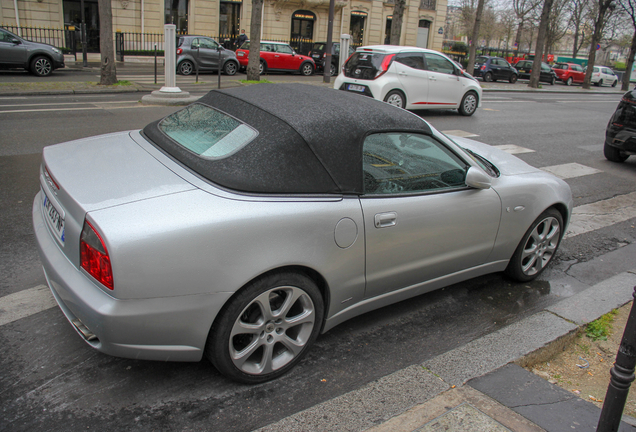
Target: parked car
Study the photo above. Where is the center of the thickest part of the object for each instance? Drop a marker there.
(494, 68)
(524, 67)
(204, 52)
(603, 75)
(277, 56)
(247, 223)
(620, 135)
(318, 53)
(569, 73)
(409, 77)
(39, 58)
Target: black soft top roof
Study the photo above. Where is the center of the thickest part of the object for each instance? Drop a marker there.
(310, 138)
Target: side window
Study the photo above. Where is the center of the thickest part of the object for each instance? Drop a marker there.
(195, 43)
(208, 43)
(401, 162)
(436, 63)
(284, 49)
(412, 60)
(266, 48)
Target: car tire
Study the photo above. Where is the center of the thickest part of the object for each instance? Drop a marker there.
(230, 68)
(613, 154)
(513, 78)
(469, 103)
(333, 70)
(568, 82)
(41, 66)
(599, 83)
(186, 68)
(307, 69)
(266, 328)
(395, 98)
(488, 77)
(552, 81)
(262, 67)
(614, 83)
(537, 247)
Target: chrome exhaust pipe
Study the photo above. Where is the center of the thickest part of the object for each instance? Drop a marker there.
(85, 331)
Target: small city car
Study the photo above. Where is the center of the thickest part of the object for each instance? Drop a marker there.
(318, 53)
(240, 227)
(38, 58)
(411, 78)
(494, 68)
(620, 135)
(603, 75)
(277, 56)
(524, 67)
(206, 54)
(569, 73)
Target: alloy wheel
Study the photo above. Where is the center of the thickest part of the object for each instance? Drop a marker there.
(540, 246)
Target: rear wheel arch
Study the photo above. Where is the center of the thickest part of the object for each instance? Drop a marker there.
(312, 274)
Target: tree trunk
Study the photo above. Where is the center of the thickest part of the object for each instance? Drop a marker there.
(254, 58)
(396, 22)
(470, 67)
(603, 6)
(630, 63)
(575, 47)
(106, 45)
(518, 36)
(541, 39)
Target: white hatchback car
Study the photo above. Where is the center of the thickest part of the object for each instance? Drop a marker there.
(603, 75)
(411, 78)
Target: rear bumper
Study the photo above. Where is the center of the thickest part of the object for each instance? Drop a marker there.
(167, 328)
(624, 140)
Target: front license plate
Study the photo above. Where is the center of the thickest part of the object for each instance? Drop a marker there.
(353, 87)
(54, 219)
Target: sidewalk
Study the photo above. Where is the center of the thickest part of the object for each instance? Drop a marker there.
(482, 385)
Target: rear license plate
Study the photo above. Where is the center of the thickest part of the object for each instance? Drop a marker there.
(353, 87)
(55, 221)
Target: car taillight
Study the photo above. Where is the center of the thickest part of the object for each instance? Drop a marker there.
(386, 63)
(50, 180)
(94, 256)
(483, 67)
(324, 55)
(179, 51)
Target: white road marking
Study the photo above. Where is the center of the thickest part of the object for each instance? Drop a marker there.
(570, 170)
(67, 103)
(590, 217)
(48, 109)
(460, 133)
(25, 303)
(513, 149)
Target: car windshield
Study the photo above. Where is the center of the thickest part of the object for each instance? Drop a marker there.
(363, 65)
(207, 132)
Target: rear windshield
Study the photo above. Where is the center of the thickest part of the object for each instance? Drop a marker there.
(561, 66)
(246, 46)
(363, 65)
(319, 47)
(625, 114)
(207, 132)
(481, 59)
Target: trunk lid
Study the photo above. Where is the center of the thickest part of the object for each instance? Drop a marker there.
(81, 176)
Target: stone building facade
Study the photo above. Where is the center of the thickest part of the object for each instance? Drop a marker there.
(367, 21)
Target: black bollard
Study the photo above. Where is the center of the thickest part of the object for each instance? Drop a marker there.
(622, 375)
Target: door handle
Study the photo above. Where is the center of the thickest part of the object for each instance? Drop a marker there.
(385, 220)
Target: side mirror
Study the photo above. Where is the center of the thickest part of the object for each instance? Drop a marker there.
(477, 179)
(16, 41)
(293, 53)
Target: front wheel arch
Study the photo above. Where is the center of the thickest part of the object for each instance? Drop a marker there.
(537, 247)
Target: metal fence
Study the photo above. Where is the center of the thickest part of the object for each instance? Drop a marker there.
(66, 39)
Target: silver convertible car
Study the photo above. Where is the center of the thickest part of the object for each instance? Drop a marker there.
(247, 223)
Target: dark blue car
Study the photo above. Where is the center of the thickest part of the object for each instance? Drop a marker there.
(494, 68)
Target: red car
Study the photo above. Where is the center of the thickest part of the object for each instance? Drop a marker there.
(569, 73)
(277, 56)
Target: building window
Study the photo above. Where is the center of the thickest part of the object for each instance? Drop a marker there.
(176, 12)
(73, 17)
(302, 31)
(427, 4)
(356, 28)
(229, 20)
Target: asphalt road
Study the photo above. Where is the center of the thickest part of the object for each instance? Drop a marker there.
(51, 380)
